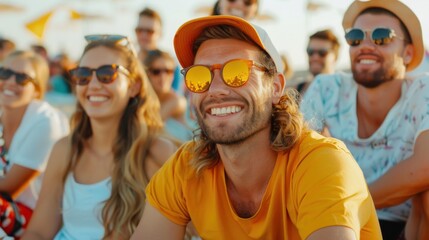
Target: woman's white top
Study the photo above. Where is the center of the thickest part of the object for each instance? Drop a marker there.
(82, 206)
(41, 126)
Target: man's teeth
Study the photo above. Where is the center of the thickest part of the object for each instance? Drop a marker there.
(9, 92)
(367, 61)
(225, 110)
(97, 98)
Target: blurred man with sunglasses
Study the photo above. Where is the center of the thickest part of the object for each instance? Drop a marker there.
(247, 9)
(322, 52)
(148, 33)
(254, 170)
(380, 113)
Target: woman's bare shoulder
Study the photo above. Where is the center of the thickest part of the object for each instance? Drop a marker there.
(162, 148)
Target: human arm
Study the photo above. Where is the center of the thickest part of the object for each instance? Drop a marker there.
(173, 107)
(46, 220)
(328, 190)
(161, 149)
(405, 179)
(17, 179)
(418, 221)
(164, 194)
(154, 225)
(28, 154)
(334, 232)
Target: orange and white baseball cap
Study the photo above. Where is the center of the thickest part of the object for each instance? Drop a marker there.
(189, 31)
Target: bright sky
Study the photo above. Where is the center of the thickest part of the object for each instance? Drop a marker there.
(289, 28)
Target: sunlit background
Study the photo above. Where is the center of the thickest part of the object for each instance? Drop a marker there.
(61, 24)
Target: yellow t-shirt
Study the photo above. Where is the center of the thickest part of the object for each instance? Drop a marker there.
(314, 185)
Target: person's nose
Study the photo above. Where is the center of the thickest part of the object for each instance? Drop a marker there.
(218, 87)
(367, 43)
(93, 82)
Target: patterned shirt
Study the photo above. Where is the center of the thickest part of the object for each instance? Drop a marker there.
(331, 101)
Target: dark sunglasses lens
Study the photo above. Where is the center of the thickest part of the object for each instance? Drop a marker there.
(155, 72)
(22, 78)
(354, 37)
(81, 75)
(106, 74)
(145, 30)
(382, 36)
(321, 52)
(5, 73)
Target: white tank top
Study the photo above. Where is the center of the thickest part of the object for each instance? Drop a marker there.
(82, 206)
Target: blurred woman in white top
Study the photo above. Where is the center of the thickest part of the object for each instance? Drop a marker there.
(29, 127)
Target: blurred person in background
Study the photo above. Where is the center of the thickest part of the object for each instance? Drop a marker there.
(380, 113)
(59, 67)
(29, 127)
(288, 71)
(41, 50)
(322, 51)
(160, 68)
(6, 47)
(247, 9)
(148, 32)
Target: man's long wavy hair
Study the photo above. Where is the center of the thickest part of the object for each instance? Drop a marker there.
(140, 121)
(287, 123)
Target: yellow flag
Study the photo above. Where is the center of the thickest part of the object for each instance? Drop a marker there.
(75, 15)
(37, 26)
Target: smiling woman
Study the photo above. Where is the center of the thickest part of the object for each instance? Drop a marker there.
(99, 172)
(28, 129)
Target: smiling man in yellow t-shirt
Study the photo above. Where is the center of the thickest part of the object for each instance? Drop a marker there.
(255, 171)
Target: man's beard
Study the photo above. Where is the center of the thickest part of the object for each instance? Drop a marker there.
(373, 79)
(258, 121)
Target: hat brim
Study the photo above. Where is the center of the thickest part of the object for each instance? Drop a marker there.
(188, 32)
(403, 12)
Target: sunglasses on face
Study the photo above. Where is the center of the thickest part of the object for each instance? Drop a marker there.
(140, 30)
(20, 78)
(159, 71)
(105, 74)
(379, 36)
(321, 52)
(246, 2)
(234, 73)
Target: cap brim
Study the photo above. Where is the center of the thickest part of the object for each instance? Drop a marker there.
(188, 32)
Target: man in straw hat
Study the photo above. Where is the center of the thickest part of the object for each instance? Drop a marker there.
(254, 171)
(380, 114)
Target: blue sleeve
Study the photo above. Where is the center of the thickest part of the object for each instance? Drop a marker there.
(312, 105)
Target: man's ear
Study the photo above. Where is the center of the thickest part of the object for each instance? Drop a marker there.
(278, 87)
(135, 88)
(408, 53)
(36, 94)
